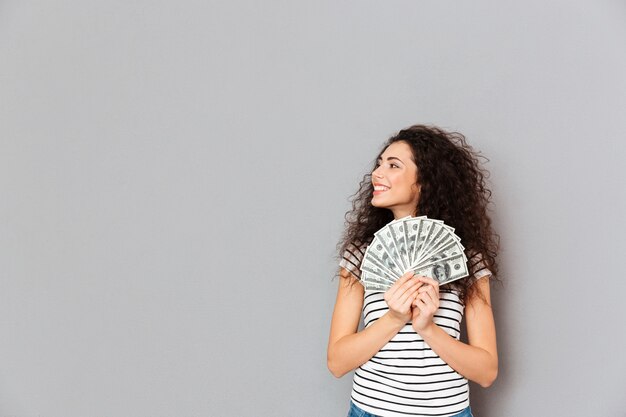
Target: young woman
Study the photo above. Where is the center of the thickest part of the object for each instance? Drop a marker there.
(408, 359)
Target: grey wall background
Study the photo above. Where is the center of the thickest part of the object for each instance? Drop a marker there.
(174, 175)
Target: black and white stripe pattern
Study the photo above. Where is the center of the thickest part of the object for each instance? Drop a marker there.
(405, 377)
(352, 258)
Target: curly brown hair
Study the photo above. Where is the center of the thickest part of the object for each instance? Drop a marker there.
(453, 189)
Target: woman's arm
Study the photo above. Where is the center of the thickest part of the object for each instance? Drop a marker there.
(476, 361)
(348, 349)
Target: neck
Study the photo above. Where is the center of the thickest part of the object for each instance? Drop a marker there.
(401, 212)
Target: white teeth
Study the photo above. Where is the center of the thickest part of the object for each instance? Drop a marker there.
(380, 188)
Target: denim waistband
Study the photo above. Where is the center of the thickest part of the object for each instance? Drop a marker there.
(355, 411)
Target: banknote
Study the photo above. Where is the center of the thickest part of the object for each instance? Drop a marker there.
(372, 283)
(397, 228)
(445, 270)
(447, 245)
(371, 267)
(411, 228)
(386, 241)
(449, 253)
(425, 246)
(376, 253)
(423, 233)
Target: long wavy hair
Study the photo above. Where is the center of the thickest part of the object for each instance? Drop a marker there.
(453, 189)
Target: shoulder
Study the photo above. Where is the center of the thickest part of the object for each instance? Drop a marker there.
(355, 250)
(477, 267)
(351, 259)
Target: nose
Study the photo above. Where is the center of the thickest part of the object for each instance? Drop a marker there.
(376, 173)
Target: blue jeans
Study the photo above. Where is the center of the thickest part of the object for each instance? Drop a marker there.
(357, 412)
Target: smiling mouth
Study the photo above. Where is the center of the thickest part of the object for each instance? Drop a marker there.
(379, 189)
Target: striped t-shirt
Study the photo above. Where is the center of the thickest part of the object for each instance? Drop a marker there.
(405, 377)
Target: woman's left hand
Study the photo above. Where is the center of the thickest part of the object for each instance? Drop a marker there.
(426, 304)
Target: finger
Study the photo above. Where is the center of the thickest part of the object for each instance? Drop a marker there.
(398, 284)
(429, 283)
(430, 290)
(410, 285)
(430, 303)
(428, 280)
(409, 294)
(430, 296)
(424, 287)
(405, 279)
(421, 304)
(407, 304)
(411, 300)
(414, 302)
(435, 292)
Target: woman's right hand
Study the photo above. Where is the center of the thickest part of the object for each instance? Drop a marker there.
(401, 295)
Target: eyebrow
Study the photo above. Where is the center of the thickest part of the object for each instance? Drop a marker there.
(390, 158)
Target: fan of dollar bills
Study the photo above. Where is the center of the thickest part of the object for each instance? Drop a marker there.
(426, 246)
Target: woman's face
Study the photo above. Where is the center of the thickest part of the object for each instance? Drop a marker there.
(394, 181)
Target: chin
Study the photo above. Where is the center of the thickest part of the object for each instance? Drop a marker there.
(378, 204)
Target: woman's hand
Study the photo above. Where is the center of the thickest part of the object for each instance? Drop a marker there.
(425, 304)
(401, 295)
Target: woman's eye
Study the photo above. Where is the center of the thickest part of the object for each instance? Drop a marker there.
(390, 165)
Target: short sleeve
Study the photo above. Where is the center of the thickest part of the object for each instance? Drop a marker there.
(477, 267)
(352, 258)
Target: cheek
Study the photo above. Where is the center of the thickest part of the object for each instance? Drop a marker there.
(399, 181)
(409, 182)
